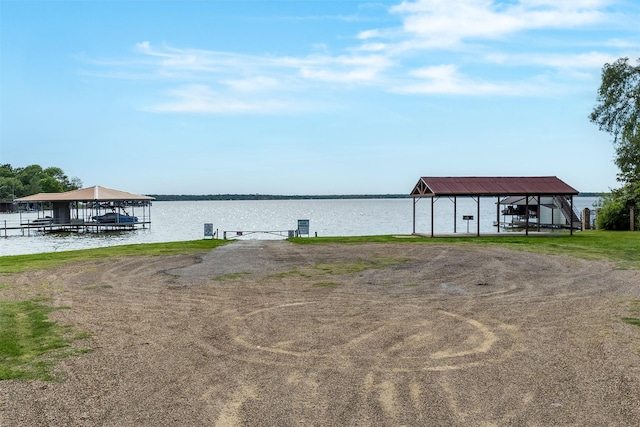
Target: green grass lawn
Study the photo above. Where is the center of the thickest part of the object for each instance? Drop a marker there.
(30, 344)
(18, 263)
(621, 247)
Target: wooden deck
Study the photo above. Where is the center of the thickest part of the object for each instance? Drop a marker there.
(74, 226)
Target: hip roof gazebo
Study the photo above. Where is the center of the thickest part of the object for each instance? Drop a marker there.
(83, 208)
(477, 187)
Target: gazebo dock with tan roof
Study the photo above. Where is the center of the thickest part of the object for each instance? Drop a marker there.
(85, 210)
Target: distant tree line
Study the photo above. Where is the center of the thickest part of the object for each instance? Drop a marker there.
(198, 197)
(33, 179)
(195, 197)
(588, 194)
(202, 197)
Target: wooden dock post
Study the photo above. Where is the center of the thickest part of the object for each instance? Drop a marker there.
(586, 219)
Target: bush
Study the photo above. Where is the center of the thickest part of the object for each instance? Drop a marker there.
(614, 213)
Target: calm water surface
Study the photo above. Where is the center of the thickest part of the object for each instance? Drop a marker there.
(178, 221)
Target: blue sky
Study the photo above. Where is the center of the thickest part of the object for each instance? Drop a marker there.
(308, 97)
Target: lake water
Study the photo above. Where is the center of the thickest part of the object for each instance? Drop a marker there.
(179, 221)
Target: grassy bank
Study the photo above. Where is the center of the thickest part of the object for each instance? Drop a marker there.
(618, 246)
(18, 263)
(621, 247)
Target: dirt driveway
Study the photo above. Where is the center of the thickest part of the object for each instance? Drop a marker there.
(264, 333)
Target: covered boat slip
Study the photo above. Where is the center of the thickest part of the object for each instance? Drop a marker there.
(520, 198)
(89, 209)
(537, 212)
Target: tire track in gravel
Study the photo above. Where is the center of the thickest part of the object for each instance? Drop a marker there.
(256, 257)
(472, 346)
(415, 335)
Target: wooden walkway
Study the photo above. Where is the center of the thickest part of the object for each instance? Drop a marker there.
(74, 226)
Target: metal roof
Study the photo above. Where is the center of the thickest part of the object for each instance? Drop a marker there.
(491, 186)
(95, 193)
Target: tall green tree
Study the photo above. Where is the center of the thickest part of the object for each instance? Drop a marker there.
(29, 176)
(59, 175)
(6, 171)
(32, 179)
(617, 111)
(49, 184)
(10, 188)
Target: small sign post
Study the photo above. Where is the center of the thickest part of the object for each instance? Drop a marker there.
(467, 218)
(208, 230)
(303, 227)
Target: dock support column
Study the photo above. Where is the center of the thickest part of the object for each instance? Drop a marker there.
(432, 202)
(478, 220)
(498, 214)
(539, 210)
(571, 216)
(455, 214)
(414, 215)
(526, 215)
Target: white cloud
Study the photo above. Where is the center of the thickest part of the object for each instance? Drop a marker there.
(447, 23)
(258, 71)
(373, 47)
(342, 76)
(588, 60)
(346, 69)
(575, 61)
(459, 33)
(202, 99)
(621, 44)
(173, 60)
(446, 80)
(218, 82)
(369, 34)
(253, 84)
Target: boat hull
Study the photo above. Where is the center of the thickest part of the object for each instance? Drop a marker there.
(115, 218)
